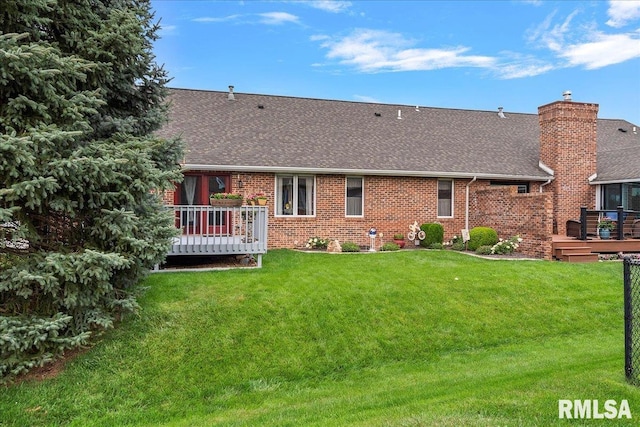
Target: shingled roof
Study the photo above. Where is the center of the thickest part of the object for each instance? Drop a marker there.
(279, 133)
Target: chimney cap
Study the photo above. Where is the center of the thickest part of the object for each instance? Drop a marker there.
(231, 96)
(566, 95)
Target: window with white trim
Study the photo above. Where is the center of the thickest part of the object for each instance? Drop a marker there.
(354, 199)
(445, 197)
(295, 195)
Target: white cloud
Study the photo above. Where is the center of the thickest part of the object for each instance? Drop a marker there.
(216, 19)
(365, 98)
(623, 12)
(167, 30)
(583, 44)
(278, 18)
(552, 36)
(268, 18)
(603, 50)
(333, 6)
(375, 51)
(516, 66)
(319, 37)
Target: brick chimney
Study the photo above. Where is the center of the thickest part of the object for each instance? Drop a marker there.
(568, 146)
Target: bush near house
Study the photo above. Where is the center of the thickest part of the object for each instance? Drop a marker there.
(389, 246)
(482, 236)
(484, 250)
(350, 247)
(434, 234)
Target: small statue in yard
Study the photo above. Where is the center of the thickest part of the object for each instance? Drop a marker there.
(334, 246)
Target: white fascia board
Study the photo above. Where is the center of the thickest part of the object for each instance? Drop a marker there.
(615, 181)
(378, 172)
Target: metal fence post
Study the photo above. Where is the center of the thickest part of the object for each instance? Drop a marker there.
(631, 319)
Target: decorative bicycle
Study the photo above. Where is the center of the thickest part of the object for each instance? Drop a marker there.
(415, 233)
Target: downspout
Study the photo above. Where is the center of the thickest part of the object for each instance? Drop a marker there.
(466, 213)
(546, 183)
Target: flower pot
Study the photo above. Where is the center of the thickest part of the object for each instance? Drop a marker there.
(262, 202)
(225, 203)
(605, 234)
(399, 242)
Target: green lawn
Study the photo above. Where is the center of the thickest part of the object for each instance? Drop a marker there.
(409, 338)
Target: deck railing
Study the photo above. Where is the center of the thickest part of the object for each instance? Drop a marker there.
(624, 220)
(212, 230)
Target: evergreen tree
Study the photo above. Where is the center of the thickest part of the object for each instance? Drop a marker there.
(81, 219)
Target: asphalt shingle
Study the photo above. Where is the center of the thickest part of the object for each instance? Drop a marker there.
(263, 131)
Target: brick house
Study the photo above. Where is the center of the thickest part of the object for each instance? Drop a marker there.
(335, 169)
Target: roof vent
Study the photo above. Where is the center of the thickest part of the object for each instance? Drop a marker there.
(231, 96)
(377, 114)
(501, 114)
(566, 95)
(260, 107)
(622, 130)
(399, 114)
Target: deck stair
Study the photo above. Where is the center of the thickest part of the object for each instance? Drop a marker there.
(574, 251)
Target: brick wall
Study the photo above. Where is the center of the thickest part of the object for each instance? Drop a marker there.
(528, 215)
(392, 203)
(168, 197)
(568, 146)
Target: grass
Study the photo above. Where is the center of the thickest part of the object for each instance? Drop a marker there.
(410, 338)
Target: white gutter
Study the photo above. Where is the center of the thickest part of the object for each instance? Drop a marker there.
(337, 171)
(545, 183)
(617, 181)
(466, 212)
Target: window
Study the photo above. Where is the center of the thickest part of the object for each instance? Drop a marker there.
(353, 196)
(611, 196)
(445, 198)
(295, 195)
(626, 195)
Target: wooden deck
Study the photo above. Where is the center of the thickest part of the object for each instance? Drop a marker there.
(576, 250)
(208, 230)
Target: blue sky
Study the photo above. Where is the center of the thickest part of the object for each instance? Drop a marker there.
(475, 55)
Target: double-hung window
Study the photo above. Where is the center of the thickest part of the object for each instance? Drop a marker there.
(445, 197)
(295, 195)
(353, 196)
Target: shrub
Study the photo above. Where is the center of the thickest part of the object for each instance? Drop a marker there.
(436, 246)
(434, 233)
(458, 246)
(484, 250)
(506, 246)
(389, 246)
(317, 243)
(482, 236)
(221, 196)
(350, 247)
